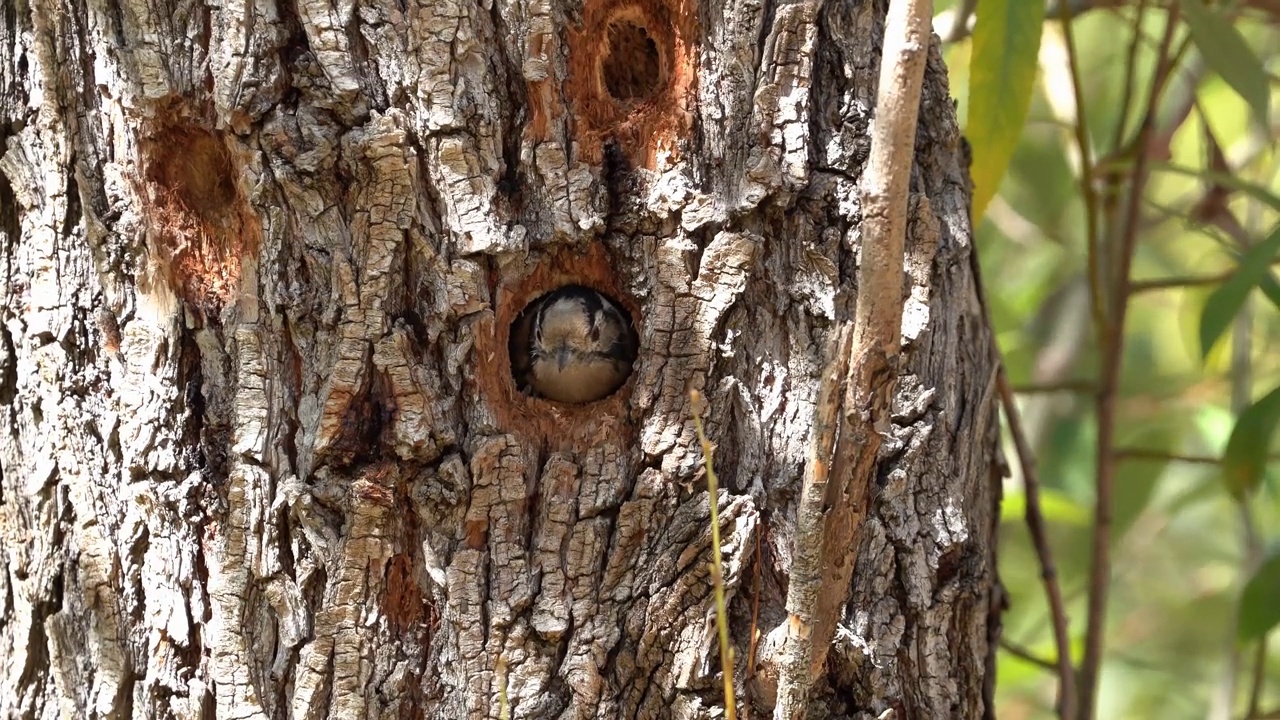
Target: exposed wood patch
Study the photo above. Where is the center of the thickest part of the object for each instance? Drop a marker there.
(200, 226)
(403, 602)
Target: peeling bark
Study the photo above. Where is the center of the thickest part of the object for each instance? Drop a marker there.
(261, 454)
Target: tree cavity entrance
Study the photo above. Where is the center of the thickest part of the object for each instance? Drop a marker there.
(572, 345)
(631, 67)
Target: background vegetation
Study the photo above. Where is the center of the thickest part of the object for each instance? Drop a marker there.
(1129, 257)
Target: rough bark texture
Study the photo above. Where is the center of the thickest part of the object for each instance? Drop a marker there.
(261, 452)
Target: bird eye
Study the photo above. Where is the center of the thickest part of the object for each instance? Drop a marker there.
(595, 333)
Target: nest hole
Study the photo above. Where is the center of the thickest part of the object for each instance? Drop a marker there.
(603, 339)
(631, 66)
(539, 421)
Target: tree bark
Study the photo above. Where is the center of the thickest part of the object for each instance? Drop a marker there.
(261, 453)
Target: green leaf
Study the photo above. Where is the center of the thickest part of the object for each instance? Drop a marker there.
(1002, 74)
(1133, 493)
(1270, 288)
(1136, 483)
(1226, 52)
(1246, 455)
(1259, 610)
(1225, 302)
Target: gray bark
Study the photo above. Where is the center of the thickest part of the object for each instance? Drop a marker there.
(261, 455)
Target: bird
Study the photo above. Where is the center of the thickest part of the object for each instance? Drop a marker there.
(572, 345)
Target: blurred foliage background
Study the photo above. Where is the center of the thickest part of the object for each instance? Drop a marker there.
(1165, 201)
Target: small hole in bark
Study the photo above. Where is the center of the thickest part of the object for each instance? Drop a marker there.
(572, 345)
(632, 66)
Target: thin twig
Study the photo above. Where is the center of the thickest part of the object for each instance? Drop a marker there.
(1130, 72)
(961, 21)
(1108, 394)
(1024, 654)
(1239, 159)
(1087, 189)
(1110, 171)
(1040, 539)
(1171, 62)
(1163, 456)
(1073, 386)
(955, 31)
(755, 611)
(1224, 699)
(1259, 678)
(717, 574)
(1177, 283)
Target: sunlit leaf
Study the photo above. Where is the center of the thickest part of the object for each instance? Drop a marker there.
(1015, 671)
(1246, 455)
(1259, 609)
(1226, 53)
(1002, 73)
(1056, 506)
(1225, 302)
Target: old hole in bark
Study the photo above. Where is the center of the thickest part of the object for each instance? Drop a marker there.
(201, 226)
(573, 345)
(195, 167)
(631, 67)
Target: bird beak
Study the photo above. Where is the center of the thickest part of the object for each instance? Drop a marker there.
(562, 357)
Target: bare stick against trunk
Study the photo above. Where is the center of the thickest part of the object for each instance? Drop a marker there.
(262, 451)
(854, 406)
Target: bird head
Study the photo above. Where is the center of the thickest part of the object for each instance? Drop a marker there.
(572, 328)
(580, 345)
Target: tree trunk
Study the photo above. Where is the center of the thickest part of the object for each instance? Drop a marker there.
(262, 454)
